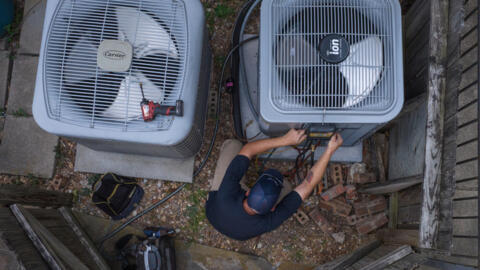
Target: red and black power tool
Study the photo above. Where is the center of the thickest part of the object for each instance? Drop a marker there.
(151, 109)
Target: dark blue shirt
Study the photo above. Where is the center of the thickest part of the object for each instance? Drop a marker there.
(225, 211)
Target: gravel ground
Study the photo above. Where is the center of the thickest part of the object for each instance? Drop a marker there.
(293, 242)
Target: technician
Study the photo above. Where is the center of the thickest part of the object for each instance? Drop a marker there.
(242, 213)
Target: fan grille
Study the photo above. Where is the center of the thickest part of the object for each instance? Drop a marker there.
(301, 80)
(79, 92)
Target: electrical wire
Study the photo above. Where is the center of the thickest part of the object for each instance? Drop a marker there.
(202, 164)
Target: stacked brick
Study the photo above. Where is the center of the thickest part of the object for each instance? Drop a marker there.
(366, 212)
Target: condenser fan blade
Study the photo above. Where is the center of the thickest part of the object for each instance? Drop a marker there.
(362, 69)
(81, 62)
(162, 70)
(297, 63)
(146, 34)
(130, 96)
(92, 95)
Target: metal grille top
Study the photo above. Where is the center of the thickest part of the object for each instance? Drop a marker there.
(302, 37)
(79, 92)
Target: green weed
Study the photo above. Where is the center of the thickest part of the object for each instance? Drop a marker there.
(85, 192)
(59, 155)
(223, 11)
(93, 178)
(196, 212)
(13, 29)
(20, 113)
(33, 180)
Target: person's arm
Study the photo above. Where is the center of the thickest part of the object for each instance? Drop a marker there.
(293, 137)
(315, 174)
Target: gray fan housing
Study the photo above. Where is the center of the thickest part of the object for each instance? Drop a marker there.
(332, 63)
(95, 57)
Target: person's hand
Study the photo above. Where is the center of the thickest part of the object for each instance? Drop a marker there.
(335, 142)
(294, 137)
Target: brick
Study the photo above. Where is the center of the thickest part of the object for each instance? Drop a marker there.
(352, 220)
(336, 206)
(336, 174)
(369, 207)
(333, 192)
(364, 178)
(301, 217)
(321, 221)
(368, 225)
(351, 193)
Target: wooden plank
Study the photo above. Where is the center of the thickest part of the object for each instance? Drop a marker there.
(54, 251)
(410, 214)
(10, 194)
(466, 170)
(408, 262)
(46, 251)
(465, 246)
(411, 195)
(444, 256)
(469, 77)
(465, 227)
(465, 208)
(416, 17)
(467, 151)
(468, 59)
(468, 96)
(398, 237)
(392, 185)
(467, 133)
(380, 147)
(467, 114)
(435, 122)
(389, 259)
(393, 211)
(466, 189)
(470, 6)
(348, 260)
(471, 21)
(83, 238)
(13, 234)
(470, 41)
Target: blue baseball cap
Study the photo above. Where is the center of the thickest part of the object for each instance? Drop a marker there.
(264, 194)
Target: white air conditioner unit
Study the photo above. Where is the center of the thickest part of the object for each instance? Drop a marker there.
(96, 55)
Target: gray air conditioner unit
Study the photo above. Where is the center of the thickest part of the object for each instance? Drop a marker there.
(96, 55)
(332, 64)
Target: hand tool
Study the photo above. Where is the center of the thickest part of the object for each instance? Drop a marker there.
(151, 109)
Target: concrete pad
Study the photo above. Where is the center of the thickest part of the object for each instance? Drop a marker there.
(91, 161)
(22, 84)
(4, 63)
(26, 149)
(3, 44)
(31, 32)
